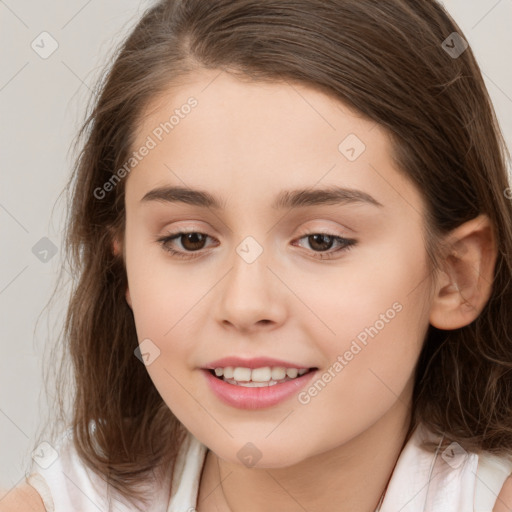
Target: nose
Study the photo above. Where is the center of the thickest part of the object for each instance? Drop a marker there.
(251, 297)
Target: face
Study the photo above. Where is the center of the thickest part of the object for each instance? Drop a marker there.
(338, 285)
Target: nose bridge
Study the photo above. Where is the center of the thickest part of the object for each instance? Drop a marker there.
(250, 291)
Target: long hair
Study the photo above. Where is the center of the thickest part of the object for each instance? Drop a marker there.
(387, 60)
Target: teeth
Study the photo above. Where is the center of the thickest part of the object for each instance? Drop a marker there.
(242, 374)
(258, 377)
(291, 372)
(228, 372)
(252, 384)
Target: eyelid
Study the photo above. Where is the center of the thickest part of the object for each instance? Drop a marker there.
(310, 230)
(302, 232)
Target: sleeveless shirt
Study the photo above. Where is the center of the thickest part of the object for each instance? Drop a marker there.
(449, 481)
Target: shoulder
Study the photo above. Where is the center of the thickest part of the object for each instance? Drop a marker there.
(504, 501)
(23, 498)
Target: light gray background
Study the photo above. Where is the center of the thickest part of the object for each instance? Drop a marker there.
(42, 103)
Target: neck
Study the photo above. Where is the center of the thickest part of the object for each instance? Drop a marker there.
(354, 476)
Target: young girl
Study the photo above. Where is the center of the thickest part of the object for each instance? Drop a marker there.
(292, 229)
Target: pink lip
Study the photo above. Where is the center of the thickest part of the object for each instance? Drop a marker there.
(257, 362)
(255, 398)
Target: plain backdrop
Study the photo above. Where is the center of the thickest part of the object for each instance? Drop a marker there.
(42, 102)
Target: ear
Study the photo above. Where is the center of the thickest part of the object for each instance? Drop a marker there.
(117, 250)
(464, 285)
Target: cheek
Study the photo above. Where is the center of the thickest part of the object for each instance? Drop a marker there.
(161, 293)
(162, 314)
(161, 311)
(367, 289)
(376, 312)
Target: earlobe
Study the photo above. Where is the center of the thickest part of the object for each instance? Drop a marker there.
(116, 247)
(465, 284)
(128, 298)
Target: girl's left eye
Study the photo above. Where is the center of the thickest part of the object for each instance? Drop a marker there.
(193, 241)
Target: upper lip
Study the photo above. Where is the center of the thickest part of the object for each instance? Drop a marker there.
(256, 362)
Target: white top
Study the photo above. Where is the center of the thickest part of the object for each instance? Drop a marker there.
(448, 481)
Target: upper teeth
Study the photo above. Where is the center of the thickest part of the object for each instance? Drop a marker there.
(264, 374)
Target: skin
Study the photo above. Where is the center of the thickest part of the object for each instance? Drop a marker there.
(245, 142)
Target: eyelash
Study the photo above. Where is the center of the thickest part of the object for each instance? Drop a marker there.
(347, 243)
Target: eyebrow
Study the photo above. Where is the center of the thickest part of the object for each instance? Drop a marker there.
(286, 199)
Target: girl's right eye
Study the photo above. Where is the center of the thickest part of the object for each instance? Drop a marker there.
(193, 239)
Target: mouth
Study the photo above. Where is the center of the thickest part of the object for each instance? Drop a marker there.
(258, 388)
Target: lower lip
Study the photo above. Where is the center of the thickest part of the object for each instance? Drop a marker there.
(256, 398)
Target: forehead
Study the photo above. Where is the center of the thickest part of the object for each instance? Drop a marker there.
(240, 100)
(241, 137)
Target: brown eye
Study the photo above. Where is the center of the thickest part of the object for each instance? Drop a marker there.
(320, 242)
(192, 241)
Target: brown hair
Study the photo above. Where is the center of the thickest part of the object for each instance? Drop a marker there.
(383, 58)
